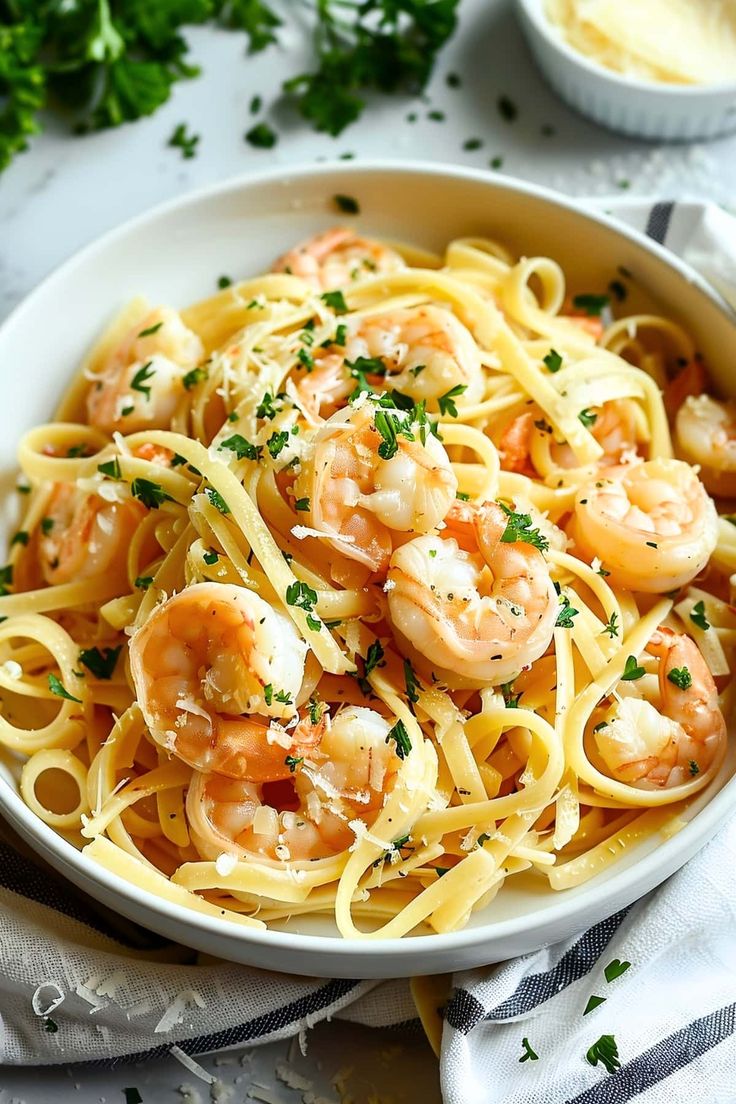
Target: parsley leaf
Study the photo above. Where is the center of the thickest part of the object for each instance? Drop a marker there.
(698, 616)
(149, 493)
(604, 1050)
(140, 379)
(446, 402)
(592, 305)
(529, 1054)
(293, 761)
(374, 657)
(261, 136)
(411, 682)
(56, 686)
(553, 361)
(588, 418)
(612, 628)
(681, 678)
(518, 528)
(566, 614)
(243, 449)
(335, 300)
(187, 143)
(193, 377)
(615, 969)
(217, 500)
(301, 595)
(111, 468)
(594, 1002)
(632, 670)
(401, 738)
(100, 663)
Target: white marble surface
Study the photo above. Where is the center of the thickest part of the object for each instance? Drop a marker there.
(66, 191)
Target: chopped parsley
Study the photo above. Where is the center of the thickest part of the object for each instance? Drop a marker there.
(268, 693)
(452, 80)
(612, 628)
(132, 1096)
(261, 136)
(566, 614)
(266, 407)
(277, 442)
(151, 329)
(374, 657)
(511, 700)
(151, 494)
(187, 143)
(681, 678)
(283, 696)
(293, 761)
(256, 103)
(143, 582)
(601, 726)
(694, 768)
(518, 528)
(471, 144)
(335, 300)
(587, 417)
(22, 537)
(301, 595)
(615, 969)
(50, 1025)
(507, 109)
(211, 558)
(111, 468)
(593, 1003)
(302, 505)
(78, 450)
(604, 1050)
(411, 682)
(341, 334)
(242, 448)
(401, 738)
(223, 282)
(529, 1054)
(446, 402)
(632, 670)
(194, 377)
(436, 116)
(217, 500)
(6, 578)
(100, 663)
(618, 290)
(698, 616)
(496, 162)
(390, 426)
(139, 381)
(592, 305)
(553, 360)
(56, 686)
(347, 204)
(306, 359)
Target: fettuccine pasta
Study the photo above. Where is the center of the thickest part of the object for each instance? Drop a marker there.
(364, 586)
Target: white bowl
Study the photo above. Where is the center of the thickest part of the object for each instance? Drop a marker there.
(643, 109)
(175, 254)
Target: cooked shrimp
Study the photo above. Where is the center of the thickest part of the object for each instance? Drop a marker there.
(660, 747)
(616, 427)
(141, 384)
(83, 535)
(308, 815)
(337, 258)
(652, 524)
(705, 431)
(361, 496)
(479, 615)
(426, 352)
(204, 662)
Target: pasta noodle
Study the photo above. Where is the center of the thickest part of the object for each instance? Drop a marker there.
(362, 587)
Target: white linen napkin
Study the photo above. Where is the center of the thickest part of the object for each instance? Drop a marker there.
(79, 983)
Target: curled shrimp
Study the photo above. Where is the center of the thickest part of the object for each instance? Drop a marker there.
(616, 426)
(83, 535)
(374, 472)
(665, 744)
(140, 385)
(338, 257)
(477, 616)
(705, 434)
(203, 663)
(309, 814)
(652, 524)
(424, 352)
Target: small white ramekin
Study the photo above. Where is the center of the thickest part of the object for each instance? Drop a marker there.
(643, 109)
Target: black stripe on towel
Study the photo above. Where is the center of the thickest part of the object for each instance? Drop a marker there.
(663, 1059)
(259, 1028)
(464, 1012)
(658, 222)
(35, 883)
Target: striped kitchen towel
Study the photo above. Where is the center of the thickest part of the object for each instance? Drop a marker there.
(81, 984)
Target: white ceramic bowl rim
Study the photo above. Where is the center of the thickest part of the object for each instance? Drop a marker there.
(619, 882)
(535, 12)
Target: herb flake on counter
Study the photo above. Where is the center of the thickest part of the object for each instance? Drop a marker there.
(223, 282)
(615, 969)
(472, 144)
(496, 162)
(594, 1002)
(261, 136)
(187, 143)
